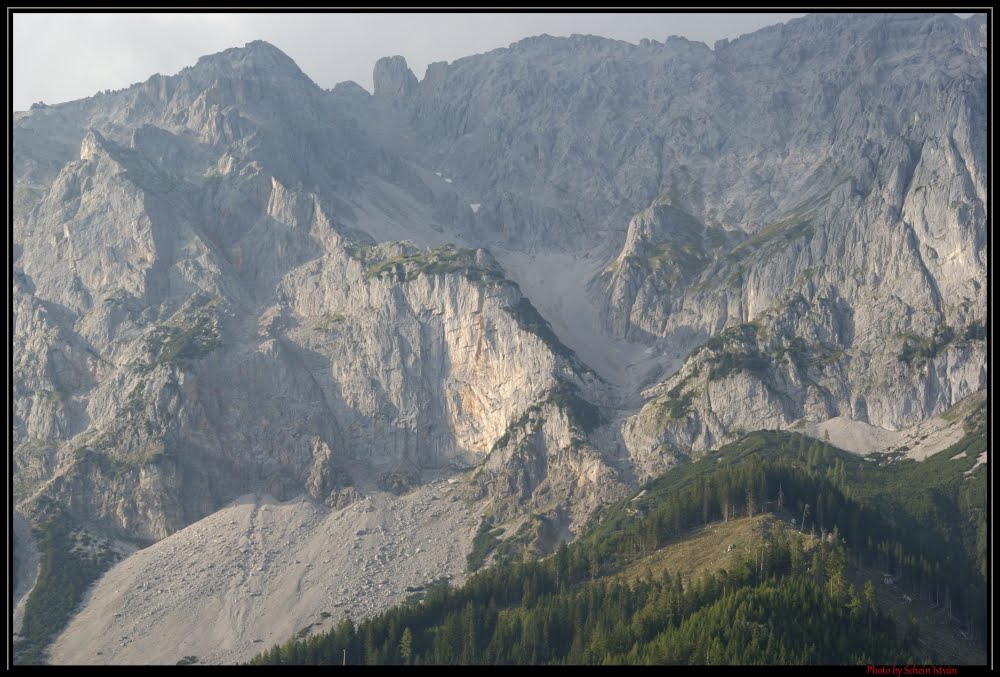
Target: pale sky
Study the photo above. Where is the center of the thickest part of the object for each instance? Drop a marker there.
(63, 56)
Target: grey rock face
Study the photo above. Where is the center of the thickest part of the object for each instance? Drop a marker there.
(227, 335)
(231, 281)
(393, 77)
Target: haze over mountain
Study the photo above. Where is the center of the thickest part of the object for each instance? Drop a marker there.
(517, 287)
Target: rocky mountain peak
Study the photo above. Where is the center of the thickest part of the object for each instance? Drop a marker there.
(257, 75)
(393, 77)
(93, 144)
(257, 57)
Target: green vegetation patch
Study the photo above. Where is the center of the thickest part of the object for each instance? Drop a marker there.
(485, 541)
(675, 405)
(671, 261)
(678, 402)
(726, 364)
(786, 230)
(55, 396)
(582, 413)
(180, 345)
(917, 350)
(186, 338)
(443, 260)
(65, 573)
(797, 224)
(682, 255)
(736, 350)
(806, 355)
(99, 455)
(732, 351)
(738, 338)
(516, 546)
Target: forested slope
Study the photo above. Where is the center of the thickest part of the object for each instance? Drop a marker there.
(835, 519)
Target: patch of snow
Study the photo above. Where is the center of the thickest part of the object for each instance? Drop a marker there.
(447, 180)
(475, 207)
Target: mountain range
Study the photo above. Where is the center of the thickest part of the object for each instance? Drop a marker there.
(270, 338)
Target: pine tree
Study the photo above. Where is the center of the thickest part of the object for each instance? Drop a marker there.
(724, 500)
(705, 498)
(797, 556)
(854, 603)
(562, 564)
(406, 646)
(913, 632)
(870, 602)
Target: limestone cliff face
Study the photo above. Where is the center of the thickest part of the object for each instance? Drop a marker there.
(363, 360)
(842, 266)
(791, 365)
(393, 77)
(231, 280)
(168, 363)
(544, 462)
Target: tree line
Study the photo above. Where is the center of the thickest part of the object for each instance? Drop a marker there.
(788, 604)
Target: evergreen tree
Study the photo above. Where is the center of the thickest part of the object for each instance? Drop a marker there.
(870, 602)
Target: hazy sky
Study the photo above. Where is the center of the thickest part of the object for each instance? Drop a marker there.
(61, 57)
